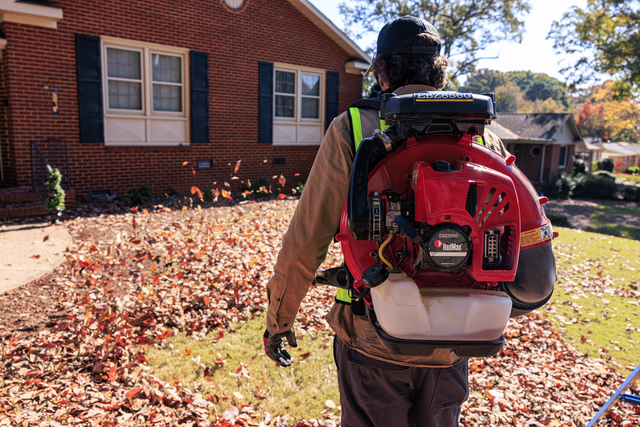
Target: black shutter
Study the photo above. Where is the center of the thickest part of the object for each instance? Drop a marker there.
(266, 102)
(333, 91)
(199, 96)
(89, 66)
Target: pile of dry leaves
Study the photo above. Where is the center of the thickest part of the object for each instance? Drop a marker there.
(73, 344)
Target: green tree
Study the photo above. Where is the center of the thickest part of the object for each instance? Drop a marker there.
(606, 36)
(466, 27)
(509, 98)
(483, 81)
(540, 87)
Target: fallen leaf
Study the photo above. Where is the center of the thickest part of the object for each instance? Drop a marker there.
(282, 180)
(45, 238)
(133, 393)
(35, 256)
(185, 163)
(235, 170)
(196, 190)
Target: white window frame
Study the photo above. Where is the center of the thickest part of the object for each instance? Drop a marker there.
(566, 155)
(147, 113)
(297, 120)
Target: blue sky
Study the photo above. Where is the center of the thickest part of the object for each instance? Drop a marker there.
(535, 53)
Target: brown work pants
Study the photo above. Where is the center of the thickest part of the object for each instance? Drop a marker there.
(380, 394)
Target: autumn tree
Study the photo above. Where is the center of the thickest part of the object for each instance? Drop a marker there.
(466, 27)
(606, 37)
(605, 116)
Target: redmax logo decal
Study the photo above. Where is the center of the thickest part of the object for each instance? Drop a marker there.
(438, 243)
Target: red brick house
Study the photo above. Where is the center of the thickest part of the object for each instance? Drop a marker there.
(143, 87)
(544, 144)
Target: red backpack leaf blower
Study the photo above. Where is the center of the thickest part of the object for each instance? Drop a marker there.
(443, 238)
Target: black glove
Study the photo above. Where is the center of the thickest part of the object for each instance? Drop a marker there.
(274, 347)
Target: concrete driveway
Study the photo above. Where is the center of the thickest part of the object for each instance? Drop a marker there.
(30, 251)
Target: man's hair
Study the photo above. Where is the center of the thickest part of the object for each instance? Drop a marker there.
(399, 70)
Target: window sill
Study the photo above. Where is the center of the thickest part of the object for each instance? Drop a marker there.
(296, 144)
(146, 144)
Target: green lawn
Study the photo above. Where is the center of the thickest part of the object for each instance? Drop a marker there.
(591, 301)
(241, 374)
(635, 179)
(615, 221)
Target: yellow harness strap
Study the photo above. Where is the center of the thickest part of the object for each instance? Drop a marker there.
(342, 295)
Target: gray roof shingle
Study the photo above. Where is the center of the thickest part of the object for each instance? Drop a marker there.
(532, 126)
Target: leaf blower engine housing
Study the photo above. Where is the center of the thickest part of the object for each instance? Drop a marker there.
(444, 239)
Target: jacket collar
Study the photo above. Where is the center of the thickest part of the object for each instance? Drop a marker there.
(413, 88)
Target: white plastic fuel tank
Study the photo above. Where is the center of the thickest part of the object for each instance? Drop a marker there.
(444, 314)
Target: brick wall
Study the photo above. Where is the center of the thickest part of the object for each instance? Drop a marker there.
(271, 31)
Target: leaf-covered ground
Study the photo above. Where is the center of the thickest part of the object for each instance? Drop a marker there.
(74, 344)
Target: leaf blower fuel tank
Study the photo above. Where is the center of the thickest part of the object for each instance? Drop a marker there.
(444, 238)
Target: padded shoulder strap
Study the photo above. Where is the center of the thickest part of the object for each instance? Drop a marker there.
(370, 103)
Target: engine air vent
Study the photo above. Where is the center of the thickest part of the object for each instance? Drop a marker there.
(472, 199)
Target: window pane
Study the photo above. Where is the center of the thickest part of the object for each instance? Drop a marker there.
(285, 82)
(125, 95)
(166, 68)
(310, 84)
(284, 106)
(167, 98)
(563, 156)
(123, 63)
(310, 108)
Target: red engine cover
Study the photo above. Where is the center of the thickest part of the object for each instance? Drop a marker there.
(506, 200)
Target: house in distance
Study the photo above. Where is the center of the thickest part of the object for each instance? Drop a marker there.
(171, 93)
(544, 144)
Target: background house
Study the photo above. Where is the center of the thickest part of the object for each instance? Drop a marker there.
(544, 144)
(623, 154)
(590, 151)
(171, 93)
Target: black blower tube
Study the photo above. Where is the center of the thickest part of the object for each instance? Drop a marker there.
(370, 152)
(534, 281)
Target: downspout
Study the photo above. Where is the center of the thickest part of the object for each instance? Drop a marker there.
(542, 163)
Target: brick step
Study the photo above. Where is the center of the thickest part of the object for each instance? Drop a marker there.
(23, 206)
(26, 211)
(18, 196)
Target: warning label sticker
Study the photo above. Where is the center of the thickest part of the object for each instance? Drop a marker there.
(535, 236)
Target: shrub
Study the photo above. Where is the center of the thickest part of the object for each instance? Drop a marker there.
(260, 188)
(55, 201)
(207, 196)
(605, 165)
(559, 220)
(140, 195)
(299, 188)
(579, 166)
(559, 187)
(630, 192)
(633, 170)
(596, 187)
(605, 175)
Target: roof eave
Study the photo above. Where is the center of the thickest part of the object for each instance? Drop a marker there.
(325, 24)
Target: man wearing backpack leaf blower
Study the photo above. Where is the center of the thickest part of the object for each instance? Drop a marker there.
(385, 380)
